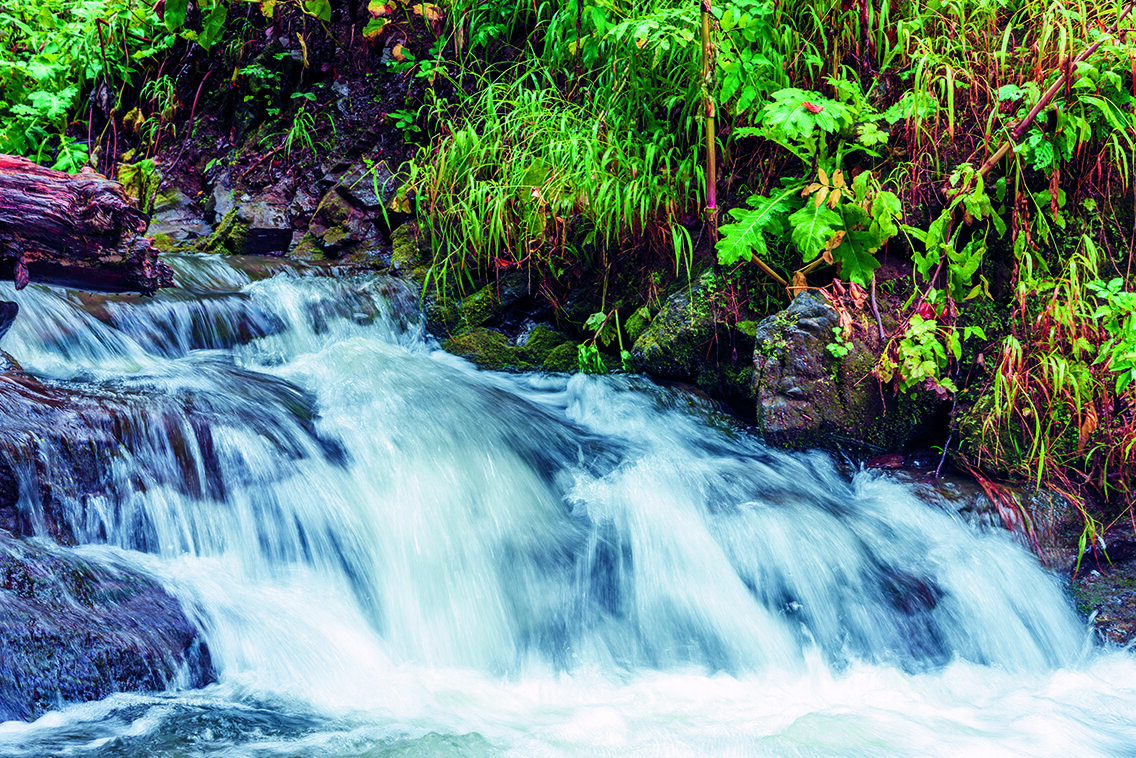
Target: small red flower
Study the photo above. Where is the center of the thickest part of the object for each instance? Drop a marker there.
(813, 108)
(926, 311)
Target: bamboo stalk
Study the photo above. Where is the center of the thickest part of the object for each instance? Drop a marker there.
(710, 126)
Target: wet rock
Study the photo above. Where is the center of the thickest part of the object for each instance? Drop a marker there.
(8, 311)
(222, 199)
(540, 347)
(368, 187)
(486, 348)
(339, 229)
(269, 226)
(686, 342)
(254, 226)
(72, 630)
(177, 218)
(410, 253)
(808, 397)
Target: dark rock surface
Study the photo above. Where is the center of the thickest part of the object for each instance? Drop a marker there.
(73, 629)
(687, 342)
(177, 219)
(808, 397)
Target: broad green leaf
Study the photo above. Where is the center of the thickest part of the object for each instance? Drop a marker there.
(745, 237)
(211, 25)
(174, 17)
(856, 256)
(812, 228)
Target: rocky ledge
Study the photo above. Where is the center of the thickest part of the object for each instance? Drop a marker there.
(73, 629)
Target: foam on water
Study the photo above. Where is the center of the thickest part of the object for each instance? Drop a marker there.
(391, 553)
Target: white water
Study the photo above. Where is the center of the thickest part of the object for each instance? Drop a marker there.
(391, 553)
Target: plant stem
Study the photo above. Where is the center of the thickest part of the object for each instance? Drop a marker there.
(710, 128)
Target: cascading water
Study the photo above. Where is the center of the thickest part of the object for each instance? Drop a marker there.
(392, 553)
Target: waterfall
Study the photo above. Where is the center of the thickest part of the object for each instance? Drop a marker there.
(391, 552)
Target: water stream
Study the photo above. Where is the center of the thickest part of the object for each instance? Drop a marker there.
(392, 553)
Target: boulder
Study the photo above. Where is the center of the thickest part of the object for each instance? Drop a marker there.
(74, 629)
(686, 342)
(806, 396)
(178, 219)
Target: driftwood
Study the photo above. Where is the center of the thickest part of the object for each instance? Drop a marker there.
(74, 230)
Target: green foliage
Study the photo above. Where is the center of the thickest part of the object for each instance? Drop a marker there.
(825, 219)
(839, 347)
(50, 52)
(1116, 313)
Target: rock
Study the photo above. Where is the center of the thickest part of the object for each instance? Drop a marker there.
(807, 397)
(258, 226)
(681, 335)
(686, 342)
(369, 188)
(72, 630)
(409, 252)
(538, 347)
(221, 200)
(488, 349)
(637, 323)
(269, 226)
(340, 229)
(8, 311)
(178, 218)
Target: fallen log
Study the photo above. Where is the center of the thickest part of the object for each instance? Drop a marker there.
(76, 230)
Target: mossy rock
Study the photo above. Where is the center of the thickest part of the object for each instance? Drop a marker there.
(673, 346)
(542, 341)
(563, 358)
(488, 349)
(307, 249)
(805, 396)
(1001, 448)
(637, 323)
(140, 181)
(407, 250)
(686, 342)
(229, 236)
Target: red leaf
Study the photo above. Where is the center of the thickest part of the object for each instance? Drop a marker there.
(926, 311)
(813, 108)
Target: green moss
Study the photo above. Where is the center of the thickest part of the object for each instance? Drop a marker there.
(163, 242)
(541, 342)
(637, 323)
(335, 237)
(488, 349)
(561, 358)
(479, 307)
(307, 249)
(140, 181)
(406, 250)
(748, 328)
(228, 237)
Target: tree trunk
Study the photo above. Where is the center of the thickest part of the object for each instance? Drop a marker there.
(74, 230)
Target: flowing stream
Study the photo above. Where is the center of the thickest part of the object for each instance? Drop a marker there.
(392, 553)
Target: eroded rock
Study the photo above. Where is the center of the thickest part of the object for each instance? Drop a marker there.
(807, 396)
(73, 629)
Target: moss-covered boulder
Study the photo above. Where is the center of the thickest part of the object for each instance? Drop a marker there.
(488, 349)
(177, 220)
(538, 348)
(687, 342)
(410, 253)
(807, 395)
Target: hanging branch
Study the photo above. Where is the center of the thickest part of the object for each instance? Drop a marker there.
(1064, 79)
